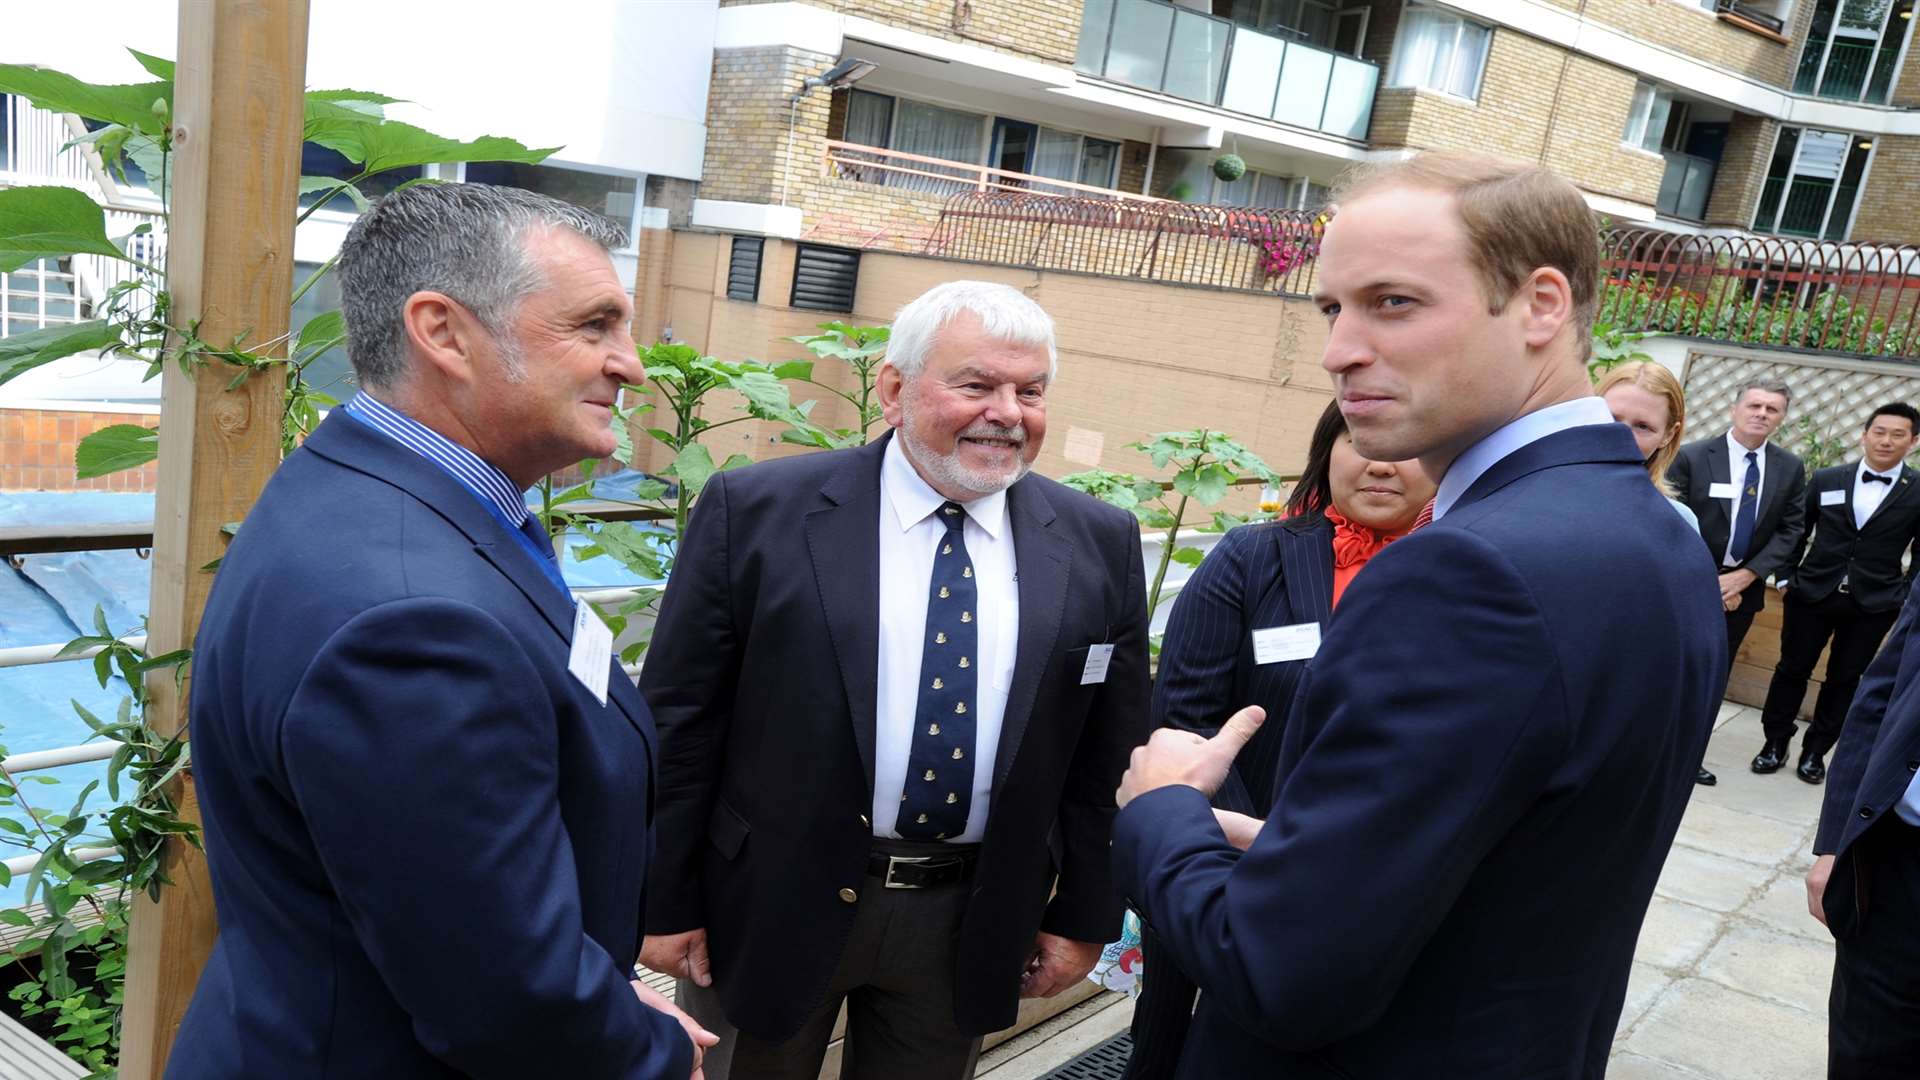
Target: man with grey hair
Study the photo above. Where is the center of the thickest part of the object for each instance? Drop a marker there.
(896, 686)
(1750, 498)
(424, 780)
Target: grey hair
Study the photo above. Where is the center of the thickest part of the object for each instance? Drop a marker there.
(1005, 313)
(1764, 385)
(467, 241)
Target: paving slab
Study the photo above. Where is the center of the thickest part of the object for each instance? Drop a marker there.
(1737, 834)
(1645, 984)
(1675, 935)
(1781, 796)
(1782, 906)
(1701, 1025)
(1707, 880)
(1635, 1067)
(1785, 968)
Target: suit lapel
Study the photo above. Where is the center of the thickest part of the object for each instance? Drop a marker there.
(843, 539)
(1902, 488)
(1774, 484)
(1719, 471)
(1306, 570)
(1043, 562)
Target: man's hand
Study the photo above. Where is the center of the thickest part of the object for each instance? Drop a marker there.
(1175, 757)
(1732, 584)
(1055, 964)
(1240, 828)
(1817, 887)
(681, 955)
(702, 1038)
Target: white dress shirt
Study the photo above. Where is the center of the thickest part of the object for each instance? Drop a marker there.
(1531, 428)
(1737, 475)
(1868, 497)
(909, 534)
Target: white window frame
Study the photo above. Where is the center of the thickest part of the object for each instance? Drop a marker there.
(1646, 99)
(1460, 25)
(457, 171)
(1853, 212)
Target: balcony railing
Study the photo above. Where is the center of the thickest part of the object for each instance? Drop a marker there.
(1685, 185)
(1749, 13)
(1862, 299)
(1198, 57)
(938, 176)
(1850, 71)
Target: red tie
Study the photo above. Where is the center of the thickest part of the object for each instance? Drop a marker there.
(1425, 519)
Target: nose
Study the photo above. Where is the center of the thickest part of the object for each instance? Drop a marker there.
(1381, 469)
(1003, 407)
(1345, 350)
(623, 358)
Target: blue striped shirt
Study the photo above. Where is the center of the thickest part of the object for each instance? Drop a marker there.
(489, 483)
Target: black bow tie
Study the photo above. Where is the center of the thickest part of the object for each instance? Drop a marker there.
(1873, 476)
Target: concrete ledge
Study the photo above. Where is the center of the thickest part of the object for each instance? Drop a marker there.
(741, 217)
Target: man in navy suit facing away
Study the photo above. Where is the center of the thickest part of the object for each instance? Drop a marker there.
(1492, 747)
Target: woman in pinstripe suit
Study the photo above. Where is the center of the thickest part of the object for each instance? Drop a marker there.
(1240, 634)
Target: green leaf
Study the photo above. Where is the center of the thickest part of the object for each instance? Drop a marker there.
(48, 222)
(14, 916)
(116, 447)
(322, 332)
(21, 353)
(1189, 556)
(156, 67)
(693, 467)
(377, 146)
(311, 184)
(346, 105)
(1206, 485)
(131, 104)
(793, 369)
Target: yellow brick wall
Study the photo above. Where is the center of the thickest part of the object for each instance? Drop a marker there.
(1516, 116)
(1886, 211)
(1906, 87)
(1130, 361)
(1742, 171)
(1047, 30)
(1695, 32)
(747, 122)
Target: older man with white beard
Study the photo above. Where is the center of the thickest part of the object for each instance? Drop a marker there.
(895, 687)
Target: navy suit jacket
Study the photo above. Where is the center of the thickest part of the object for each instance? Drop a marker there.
(763, 674)
(428, 841)
(1873, 764)
(1479, 782)
(1276, 573)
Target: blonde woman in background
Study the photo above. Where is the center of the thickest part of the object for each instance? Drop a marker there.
(1647, 398)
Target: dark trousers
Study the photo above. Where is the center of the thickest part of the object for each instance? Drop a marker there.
(1806, 627)
(1873, 1027)
(1739, 621)
(896, 978)
(1161, 1014)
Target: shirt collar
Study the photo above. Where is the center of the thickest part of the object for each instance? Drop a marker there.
(913, 499)
(1860, 474)
(1531, 428)
(488, 483)
(1739, 452)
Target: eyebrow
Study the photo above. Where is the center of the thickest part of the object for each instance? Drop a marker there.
(600, 308)
(984, 375)
(1382, 285)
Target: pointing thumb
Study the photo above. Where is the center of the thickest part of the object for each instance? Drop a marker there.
(1237, 731)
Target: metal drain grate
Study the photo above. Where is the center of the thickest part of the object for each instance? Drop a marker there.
(1107, 1061)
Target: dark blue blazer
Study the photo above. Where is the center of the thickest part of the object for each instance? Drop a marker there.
(1874, 762)
(428, 841)
(1479, 782)
(1276, 573)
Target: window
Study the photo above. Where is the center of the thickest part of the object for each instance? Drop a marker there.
(1192, 180)
(41, 293)
(1647, 118)
(1022, 146)
(1813, 184)
(329, 372)
(1853, 49)
(743, 269)
(612, 197)
(1439, 50)
(824, 278)
(317, 160)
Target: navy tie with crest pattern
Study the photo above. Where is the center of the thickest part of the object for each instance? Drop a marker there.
(939, 788)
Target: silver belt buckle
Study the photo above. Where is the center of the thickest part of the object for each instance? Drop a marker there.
(904, 860)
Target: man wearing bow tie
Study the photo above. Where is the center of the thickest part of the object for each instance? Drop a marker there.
(1749, 496)
(1861, 518)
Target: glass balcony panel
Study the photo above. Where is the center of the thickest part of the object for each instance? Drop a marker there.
(1885, 66)
(1842, 210)
(1697, 188)
(1254, 74)
(1764, 217)
(1138, 54)
(1095, 20)
(1805, 209)
(1198, 57)
(1845, 75)
(1350, 98)
(1303, 87)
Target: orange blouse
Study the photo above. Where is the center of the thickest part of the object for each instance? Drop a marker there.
(1353, 545)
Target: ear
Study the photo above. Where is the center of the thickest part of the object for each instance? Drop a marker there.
(1547, 297)
(890, 385)
(442, 334)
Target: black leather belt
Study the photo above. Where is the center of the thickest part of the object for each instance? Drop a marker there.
(921, 871)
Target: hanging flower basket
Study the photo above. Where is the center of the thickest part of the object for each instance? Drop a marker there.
(1229, 167)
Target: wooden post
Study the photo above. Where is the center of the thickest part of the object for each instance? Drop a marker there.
(238, 113)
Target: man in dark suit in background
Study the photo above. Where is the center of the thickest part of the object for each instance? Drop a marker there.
(1491, 751)
(1750, 497)
(1862, 518)
(1865, 882)
(425, 780)
(896, 686)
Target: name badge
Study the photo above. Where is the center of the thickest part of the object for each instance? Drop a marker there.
(1278, 643)
(1720, 491)
(1833, 498)
(591, 657)
(1098, 657)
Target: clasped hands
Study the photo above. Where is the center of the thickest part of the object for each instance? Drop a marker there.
(685, 956)
(1174, 757)
(1732, 584)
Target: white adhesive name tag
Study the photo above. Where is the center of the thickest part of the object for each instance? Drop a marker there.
(1719, 491)
(1277, 643)
(592, 655)
(1098, 657)
(1833, 498)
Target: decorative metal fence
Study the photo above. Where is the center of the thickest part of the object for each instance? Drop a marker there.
(1858, 299)
(1261, 250)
